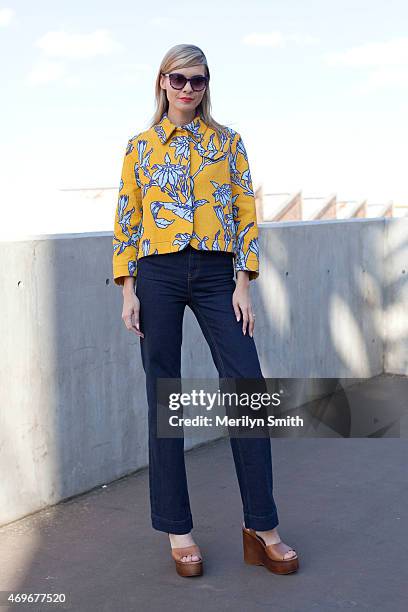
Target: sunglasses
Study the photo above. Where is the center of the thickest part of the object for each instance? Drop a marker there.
(178, 81)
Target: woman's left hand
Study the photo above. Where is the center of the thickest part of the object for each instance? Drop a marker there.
(241, 302)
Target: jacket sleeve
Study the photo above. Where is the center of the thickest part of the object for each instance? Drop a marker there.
(243, 211)
(128, 217)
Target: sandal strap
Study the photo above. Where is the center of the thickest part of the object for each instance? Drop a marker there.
(274, 551)
(183, 551)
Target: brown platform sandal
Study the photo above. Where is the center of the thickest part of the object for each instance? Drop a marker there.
(187, 568)
(256, 552)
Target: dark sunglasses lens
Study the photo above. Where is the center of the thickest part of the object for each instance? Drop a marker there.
(177, 81)
(198, 83)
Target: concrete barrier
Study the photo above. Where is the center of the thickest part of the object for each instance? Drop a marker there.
(331, 300)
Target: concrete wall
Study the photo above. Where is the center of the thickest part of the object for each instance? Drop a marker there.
(331, 301)
(395, 289)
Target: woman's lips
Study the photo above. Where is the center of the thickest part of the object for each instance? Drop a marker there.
(186, 99)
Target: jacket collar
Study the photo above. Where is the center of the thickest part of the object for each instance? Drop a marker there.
(165, 127)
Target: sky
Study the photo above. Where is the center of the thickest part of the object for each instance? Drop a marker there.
(318, 91)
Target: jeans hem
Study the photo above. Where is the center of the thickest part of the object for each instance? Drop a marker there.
(169, 526)
(261, 523)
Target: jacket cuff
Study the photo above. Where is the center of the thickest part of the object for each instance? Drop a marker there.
(251, 266)
(122, 270)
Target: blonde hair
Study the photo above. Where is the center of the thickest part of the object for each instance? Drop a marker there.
(183, 56)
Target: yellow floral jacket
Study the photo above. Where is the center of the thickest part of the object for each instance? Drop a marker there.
(184, 185)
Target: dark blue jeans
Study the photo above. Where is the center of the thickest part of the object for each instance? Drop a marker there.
(203, 280)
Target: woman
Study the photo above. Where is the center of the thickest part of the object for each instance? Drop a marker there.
(185, 220)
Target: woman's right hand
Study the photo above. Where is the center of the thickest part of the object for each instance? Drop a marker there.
(131, 311)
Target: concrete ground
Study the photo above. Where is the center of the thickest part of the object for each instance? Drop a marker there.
(342, 503)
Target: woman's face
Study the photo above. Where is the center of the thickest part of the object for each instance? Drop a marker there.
(175, 96)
